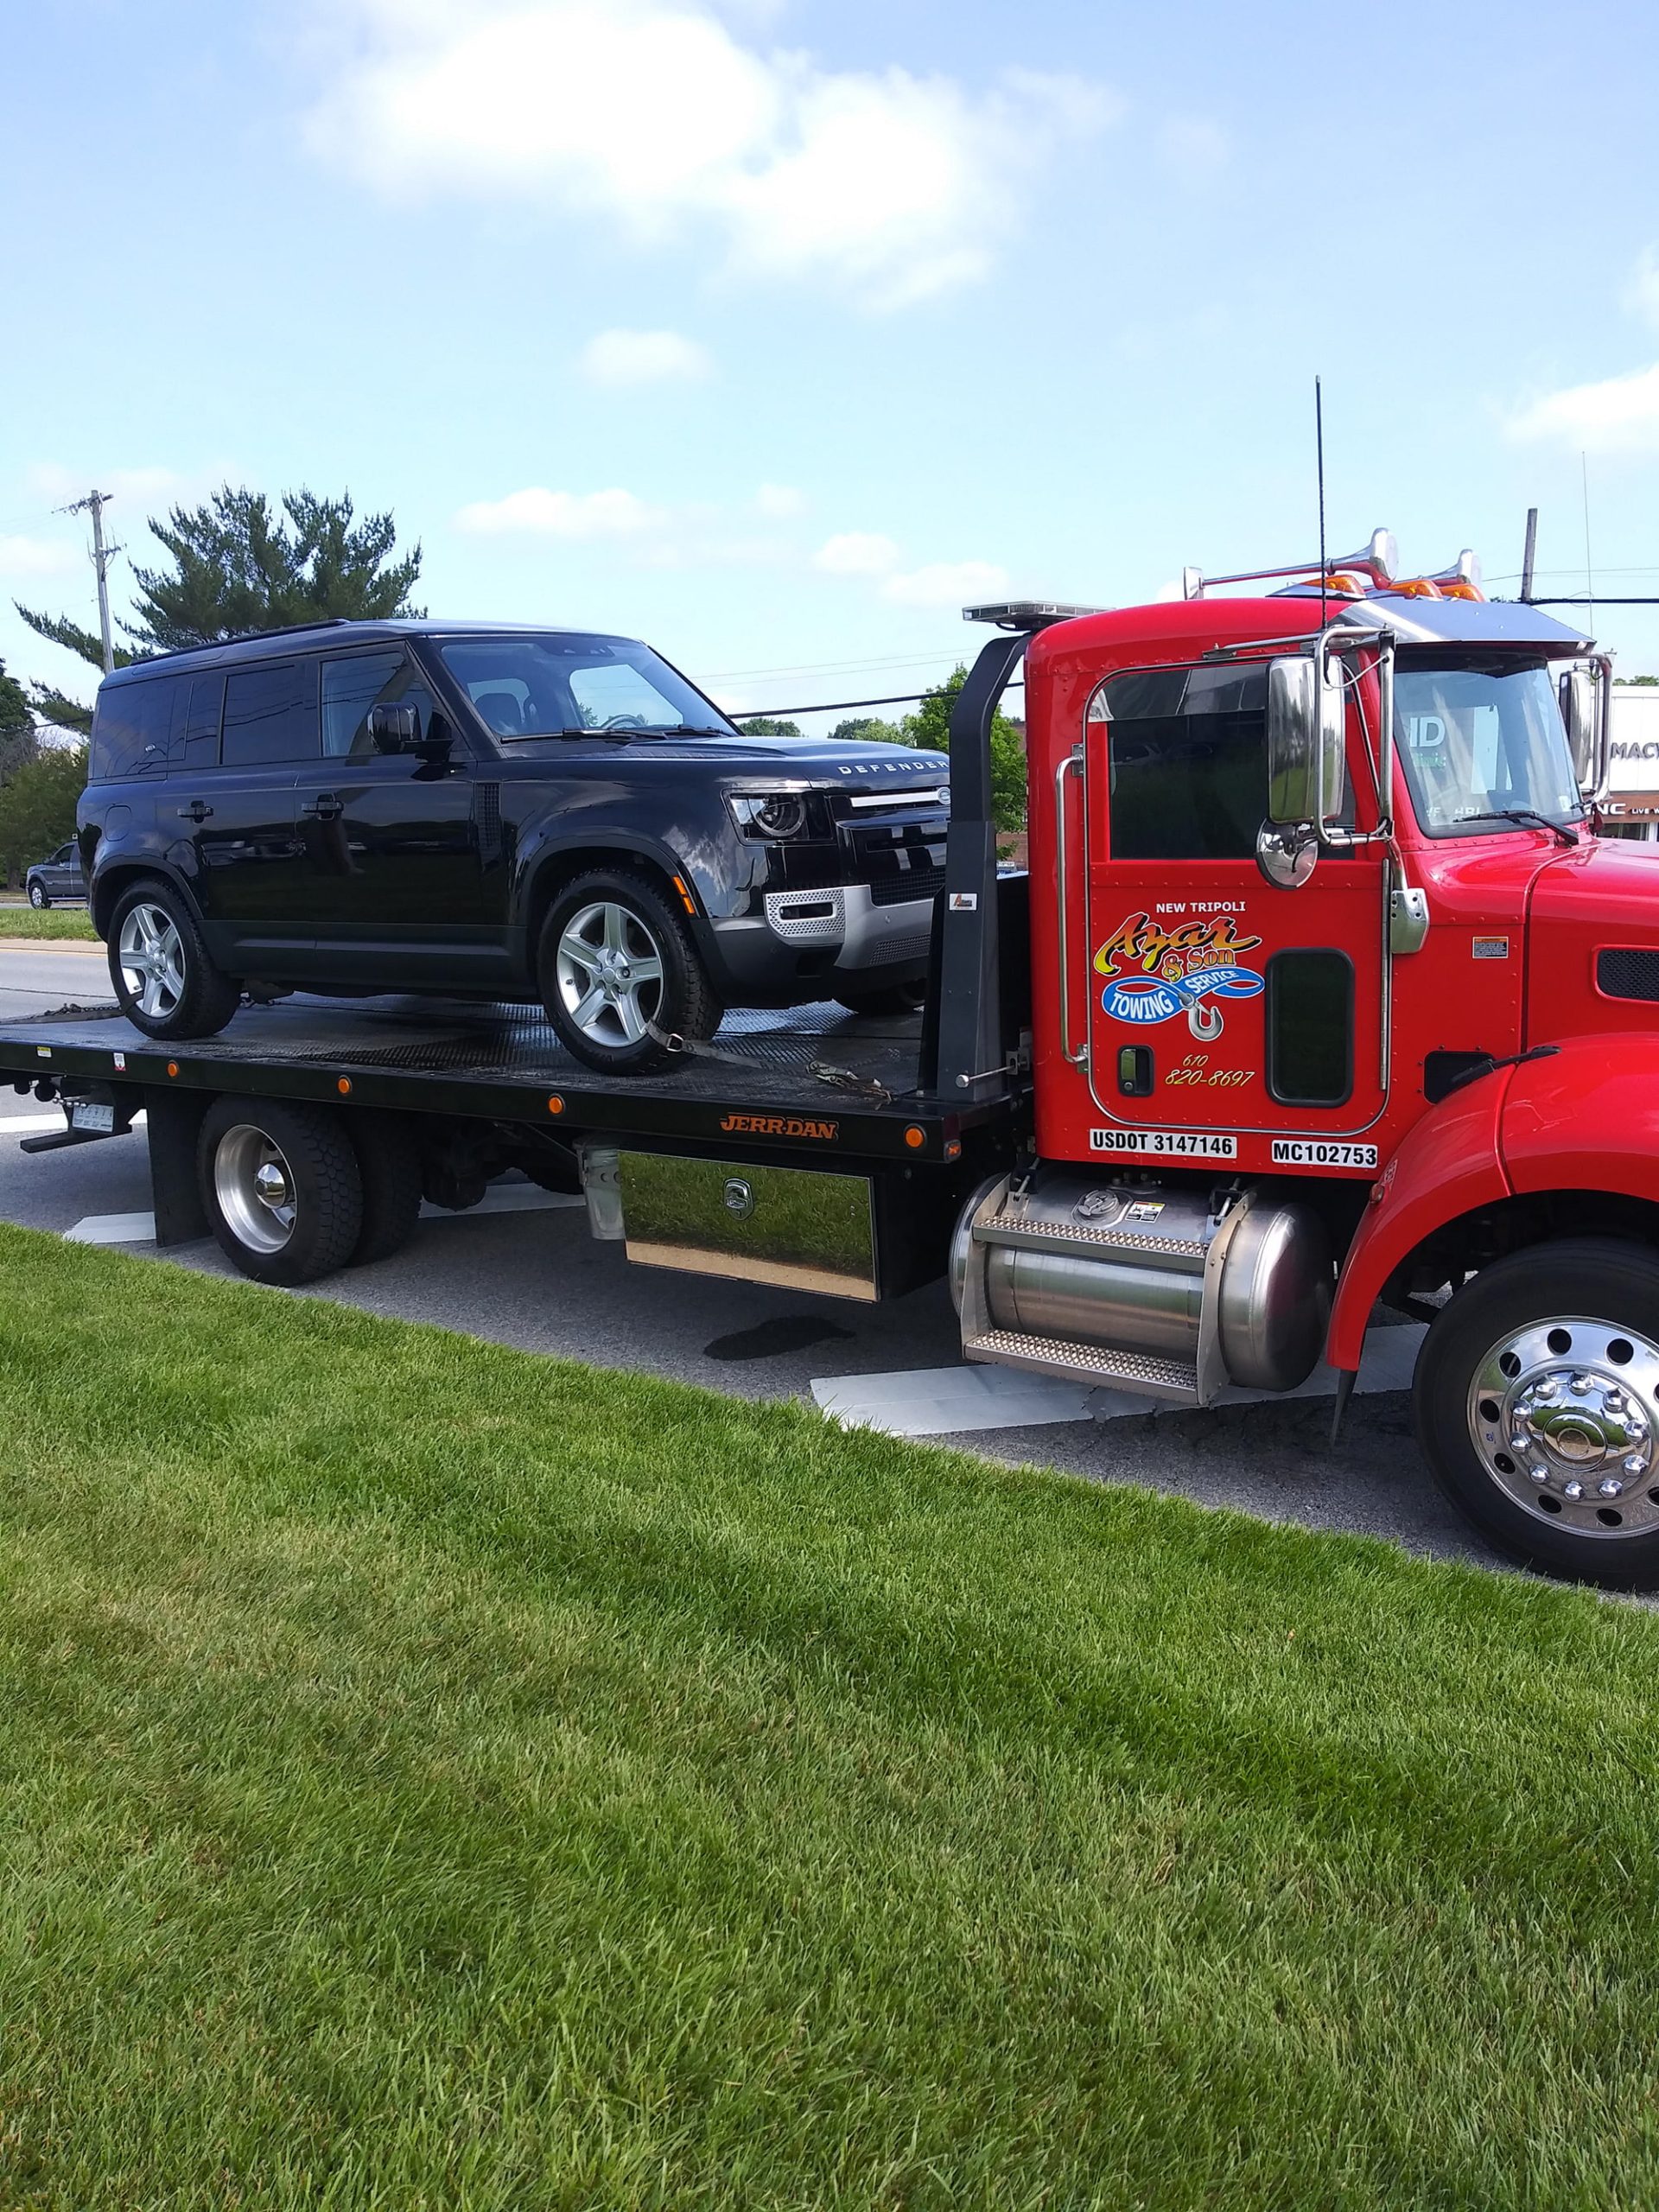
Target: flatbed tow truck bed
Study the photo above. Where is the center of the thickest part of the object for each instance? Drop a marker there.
(812, 1065)
(813, 1087)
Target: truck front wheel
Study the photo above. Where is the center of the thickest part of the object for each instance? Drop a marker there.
(1536, 1400)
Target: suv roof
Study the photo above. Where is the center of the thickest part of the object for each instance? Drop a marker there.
(337, 630)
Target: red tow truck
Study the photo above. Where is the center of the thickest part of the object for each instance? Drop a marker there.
(1321, 993)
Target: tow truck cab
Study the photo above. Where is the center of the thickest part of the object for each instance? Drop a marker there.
(1338, 997)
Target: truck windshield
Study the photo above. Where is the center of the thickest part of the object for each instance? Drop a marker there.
(561, 684)
(1482, 742)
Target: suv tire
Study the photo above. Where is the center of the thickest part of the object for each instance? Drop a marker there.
(37, 897)
(618, 971)
(893, 998)
(281, 1187)
(175, 990)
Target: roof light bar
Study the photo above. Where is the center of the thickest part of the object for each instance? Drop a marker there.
(1025, 613)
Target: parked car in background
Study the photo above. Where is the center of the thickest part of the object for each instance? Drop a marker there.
(504, 813)
(58, 877)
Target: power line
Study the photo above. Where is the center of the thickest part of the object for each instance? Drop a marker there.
(840, 706)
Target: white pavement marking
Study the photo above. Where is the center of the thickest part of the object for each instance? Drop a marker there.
(956, 1400)
(112, 1229)
(511, 1197)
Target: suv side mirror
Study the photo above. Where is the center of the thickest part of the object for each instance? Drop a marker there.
(1306, 766)
(396, 727)
(1579, 708)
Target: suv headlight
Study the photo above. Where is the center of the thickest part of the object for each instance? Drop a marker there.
(778, 814)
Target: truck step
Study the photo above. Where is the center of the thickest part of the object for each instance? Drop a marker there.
(1100, 1364)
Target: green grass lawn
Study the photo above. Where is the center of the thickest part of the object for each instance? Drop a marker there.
(54, 922)
(432, 1775)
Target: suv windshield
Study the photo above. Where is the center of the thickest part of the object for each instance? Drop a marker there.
(562, 685)
(1481, 741)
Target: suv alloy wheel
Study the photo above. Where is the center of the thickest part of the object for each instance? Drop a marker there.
(166, 984)
(618, 971)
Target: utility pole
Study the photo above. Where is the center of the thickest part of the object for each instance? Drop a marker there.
(94, 504)
(1526, 558)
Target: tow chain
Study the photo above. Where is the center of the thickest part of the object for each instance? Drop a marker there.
(833, 1079)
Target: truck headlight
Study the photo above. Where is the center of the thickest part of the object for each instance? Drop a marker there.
(778, 814)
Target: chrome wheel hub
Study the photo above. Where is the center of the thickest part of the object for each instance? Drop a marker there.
(151, 955)
(1564, 1416)
(609, 971)
(254, 1186)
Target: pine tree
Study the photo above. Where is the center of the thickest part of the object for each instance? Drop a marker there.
(235, 569)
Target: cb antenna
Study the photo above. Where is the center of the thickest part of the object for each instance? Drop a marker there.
(1319, 448)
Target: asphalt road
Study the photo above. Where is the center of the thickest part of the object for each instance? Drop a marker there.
(538, 1280)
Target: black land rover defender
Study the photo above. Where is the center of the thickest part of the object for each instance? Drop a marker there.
(498, 813)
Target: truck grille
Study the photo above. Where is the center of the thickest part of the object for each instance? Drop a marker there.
(1628, 972)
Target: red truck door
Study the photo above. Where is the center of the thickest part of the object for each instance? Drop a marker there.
(1229, 1020)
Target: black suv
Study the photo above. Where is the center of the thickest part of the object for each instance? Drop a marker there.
(495, 812)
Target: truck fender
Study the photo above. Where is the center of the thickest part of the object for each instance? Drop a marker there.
(1446, 1164)
(1586, 1117)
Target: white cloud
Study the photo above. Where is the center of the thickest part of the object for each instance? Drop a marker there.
(1194, 147)
(779, 502)
(148, 487)
(539, 512)
(948, 584)
(1642, 293)
(656, 113)
(1618, 416)
(36, 556)
(633, 357)
(856, 553)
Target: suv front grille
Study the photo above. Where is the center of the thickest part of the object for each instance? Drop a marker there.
(911, 883)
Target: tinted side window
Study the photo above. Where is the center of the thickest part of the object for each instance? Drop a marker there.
(270, 714)
(132, 728)
(351, 686)
(196, 739)
(1188, 749)
(1310, 1028)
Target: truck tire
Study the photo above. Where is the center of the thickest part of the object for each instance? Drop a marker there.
(616, 963)
(1536, 1400)
(389, 1162)
(282, 1188)
(37, 897)
(166, 984)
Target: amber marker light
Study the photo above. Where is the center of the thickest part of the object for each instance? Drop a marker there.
(915, 1138)
(172, 1067)
(686, 899)
(344, 1085)
(556, 1104)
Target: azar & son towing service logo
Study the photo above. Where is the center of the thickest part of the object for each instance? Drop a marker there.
(1185, 967)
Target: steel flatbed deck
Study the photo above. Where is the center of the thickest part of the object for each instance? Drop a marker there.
(814, 1079)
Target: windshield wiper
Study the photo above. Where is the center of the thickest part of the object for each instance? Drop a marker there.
(1529, 818)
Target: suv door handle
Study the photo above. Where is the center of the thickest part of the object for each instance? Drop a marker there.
(198, 811)
(324, 808)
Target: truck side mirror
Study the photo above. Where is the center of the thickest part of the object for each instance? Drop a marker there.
(1306, 766)
(1579, 708)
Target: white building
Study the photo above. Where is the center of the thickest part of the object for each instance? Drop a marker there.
(1632, 807)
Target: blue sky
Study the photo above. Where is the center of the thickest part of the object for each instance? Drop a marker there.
(772, 330)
